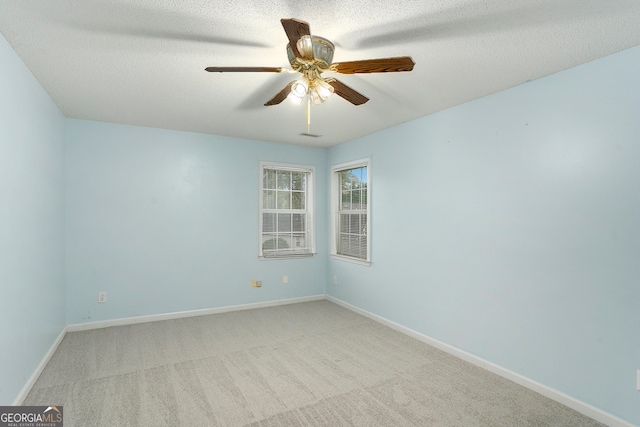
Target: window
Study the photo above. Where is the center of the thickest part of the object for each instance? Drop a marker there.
(350, 211)
(286, 210)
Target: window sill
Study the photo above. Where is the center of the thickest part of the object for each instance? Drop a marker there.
(290, 256)
(351, 260)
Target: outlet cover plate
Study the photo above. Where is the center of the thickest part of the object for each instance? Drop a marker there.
(102, 297)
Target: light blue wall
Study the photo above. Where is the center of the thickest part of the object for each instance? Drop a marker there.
(167, 221)
(509, 227)
(31, 223)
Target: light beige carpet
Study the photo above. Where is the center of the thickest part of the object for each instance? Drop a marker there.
(302, 364)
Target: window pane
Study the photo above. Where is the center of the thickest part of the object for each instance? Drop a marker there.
(284, 223)
(353, 245)
(355, 179)
(346, 179)
(344, 223)
(284, 241)
(299, 222)
(268, 242)
(268, 222)
(346, 200)
(298, 181)
(354, 224)
(364, 198)
(362, 247)
(297, 200)
(284, 180)
(268, 199)
(284, 201)
(363, 176)
(298, 241)
(343, 244)
(355, 199)
(273, 242)
(352, 239)
(269, 179)
(357, 243)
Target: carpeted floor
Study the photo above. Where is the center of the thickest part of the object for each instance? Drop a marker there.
(312, 363)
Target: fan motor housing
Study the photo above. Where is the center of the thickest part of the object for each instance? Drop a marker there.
(322, 53)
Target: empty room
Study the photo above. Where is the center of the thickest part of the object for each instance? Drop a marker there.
(342, 213)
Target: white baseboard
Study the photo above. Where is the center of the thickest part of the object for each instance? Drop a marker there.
(562, 398)
(191, 313)
(36, 373)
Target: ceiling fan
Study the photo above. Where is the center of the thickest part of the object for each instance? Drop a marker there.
(311, 56)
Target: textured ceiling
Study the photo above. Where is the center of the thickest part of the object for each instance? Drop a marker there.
(142, 62)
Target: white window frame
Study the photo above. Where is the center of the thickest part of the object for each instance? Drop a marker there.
(309, 209)
(336, 195)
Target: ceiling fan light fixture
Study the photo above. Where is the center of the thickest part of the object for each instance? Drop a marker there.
(305, 46)
(299, 89)
(315, 98)
(319, 91)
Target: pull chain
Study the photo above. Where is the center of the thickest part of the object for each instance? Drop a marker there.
(308, 114)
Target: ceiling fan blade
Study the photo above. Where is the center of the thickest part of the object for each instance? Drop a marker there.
(280, 96)
(298, 31)
(351, 95)
(382, 65)
(246, 70)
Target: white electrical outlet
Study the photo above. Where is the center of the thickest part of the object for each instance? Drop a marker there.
(335, 280)
(102, 297)
(285, 280)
